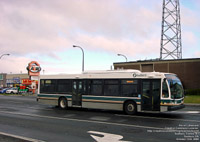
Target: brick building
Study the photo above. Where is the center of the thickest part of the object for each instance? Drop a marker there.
(188, 70)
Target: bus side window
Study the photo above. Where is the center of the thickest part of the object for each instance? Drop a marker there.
(111, 87)
(165, 92)
(48, 86)
(96, 87)
(129, 88)
(64, 86)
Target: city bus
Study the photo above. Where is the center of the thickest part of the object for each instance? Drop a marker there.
(130, 91)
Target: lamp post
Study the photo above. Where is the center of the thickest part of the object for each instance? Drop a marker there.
(83, 56)
(123, 56)
(4, 55)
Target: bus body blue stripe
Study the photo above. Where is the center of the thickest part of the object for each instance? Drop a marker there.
(95, 97)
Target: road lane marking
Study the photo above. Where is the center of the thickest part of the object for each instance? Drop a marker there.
(106, 137)
(100, 118)
(147, 117)
(15, 102)
(36, 108)
(20, 137)
(189, 112)
(88, 121)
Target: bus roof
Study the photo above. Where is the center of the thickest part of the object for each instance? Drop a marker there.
(111, 74)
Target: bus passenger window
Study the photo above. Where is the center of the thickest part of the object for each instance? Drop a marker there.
(111, 88)
(129, 88)
(48, 86)
(96, 87)
(165, 92)
(64, 86)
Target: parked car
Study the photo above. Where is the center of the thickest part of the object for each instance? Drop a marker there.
(3, 90)
(12, 91)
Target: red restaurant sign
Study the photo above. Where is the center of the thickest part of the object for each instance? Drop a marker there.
(27, 82)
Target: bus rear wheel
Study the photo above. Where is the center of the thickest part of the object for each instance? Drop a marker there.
(63, 103)
(130, 107)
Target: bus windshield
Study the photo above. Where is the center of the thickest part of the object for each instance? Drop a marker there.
(175, 85)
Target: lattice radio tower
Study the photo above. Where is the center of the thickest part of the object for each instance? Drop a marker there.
(171, 46)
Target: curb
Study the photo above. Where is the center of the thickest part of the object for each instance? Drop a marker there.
(189, 104)
(20, 95)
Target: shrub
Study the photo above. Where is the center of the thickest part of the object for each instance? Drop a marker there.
(192, 92)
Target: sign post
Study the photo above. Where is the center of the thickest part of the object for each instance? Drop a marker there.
(34, 72)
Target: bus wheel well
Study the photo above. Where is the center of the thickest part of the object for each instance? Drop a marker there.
(130, 107)
(62, 102)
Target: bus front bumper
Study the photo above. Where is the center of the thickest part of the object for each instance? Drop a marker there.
(171, 108)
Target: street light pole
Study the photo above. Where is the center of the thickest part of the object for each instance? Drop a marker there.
(123, 56)
(4, 55)
(83, 56)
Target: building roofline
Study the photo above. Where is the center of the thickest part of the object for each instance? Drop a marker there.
(158, 60)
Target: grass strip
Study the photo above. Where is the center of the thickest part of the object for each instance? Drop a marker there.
(192, 99)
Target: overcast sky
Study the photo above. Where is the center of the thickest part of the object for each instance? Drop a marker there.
(45, 30)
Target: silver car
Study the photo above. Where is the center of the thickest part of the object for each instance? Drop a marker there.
(12, 91)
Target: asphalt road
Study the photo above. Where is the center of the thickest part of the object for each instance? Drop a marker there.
(23, 119)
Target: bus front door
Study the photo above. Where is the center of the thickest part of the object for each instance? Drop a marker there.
(76, 93)
(151, 95)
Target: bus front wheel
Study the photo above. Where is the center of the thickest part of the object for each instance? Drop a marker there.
(63, 103)
(130, 107)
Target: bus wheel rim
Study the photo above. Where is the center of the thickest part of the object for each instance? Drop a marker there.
(130, 107)
(62, 104)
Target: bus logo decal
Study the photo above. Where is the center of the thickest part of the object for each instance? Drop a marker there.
(139, 75)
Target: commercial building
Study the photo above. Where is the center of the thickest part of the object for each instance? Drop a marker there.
(3, 80)
(14, 80)
(23, 81)
(188, 70)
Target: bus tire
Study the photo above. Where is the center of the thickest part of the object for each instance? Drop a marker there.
(63, 103)
(130, 107)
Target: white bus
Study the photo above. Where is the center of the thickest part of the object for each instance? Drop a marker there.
(130, 91)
